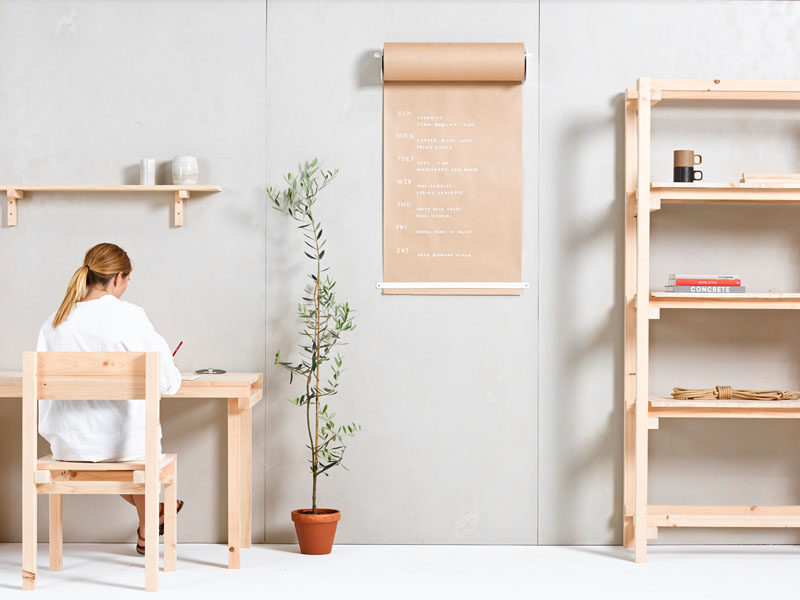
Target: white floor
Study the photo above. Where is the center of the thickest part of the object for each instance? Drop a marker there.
(548, 572)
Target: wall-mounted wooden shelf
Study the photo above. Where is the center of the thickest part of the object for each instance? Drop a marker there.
(182, 192)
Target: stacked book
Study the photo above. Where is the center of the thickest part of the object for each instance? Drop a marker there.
(704, 284)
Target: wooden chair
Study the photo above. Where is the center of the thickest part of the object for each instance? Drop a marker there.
(95, 376)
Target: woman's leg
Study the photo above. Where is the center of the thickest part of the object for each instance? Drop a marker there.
(138, 502)
(128, 498)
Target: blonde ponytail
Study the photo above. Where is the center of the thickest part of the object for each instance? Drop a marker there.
(76, 290)
(101, 263)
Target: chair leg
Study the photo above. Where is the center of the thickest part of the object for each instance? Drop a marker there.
(56, 533)
(29, 534)
(171, 521)
(151, 539)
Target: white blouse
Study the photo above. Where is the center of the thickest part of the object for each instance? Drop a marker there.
(101, 430)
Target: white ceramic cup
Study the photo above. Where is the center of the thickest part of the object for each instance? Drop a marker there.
(184, 170)
(147, 171)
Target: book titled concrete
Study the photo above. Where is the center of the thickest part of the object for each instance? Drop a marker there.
(705, 289)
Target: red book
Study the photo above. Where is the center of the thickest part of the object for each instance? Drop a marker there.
(731, 282)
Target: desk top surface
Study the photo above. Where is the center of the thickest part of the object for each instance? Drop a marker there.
(225, 385)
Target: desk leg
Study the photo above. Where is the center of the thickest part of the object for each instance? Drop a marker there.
(234, 483)
(247, 472)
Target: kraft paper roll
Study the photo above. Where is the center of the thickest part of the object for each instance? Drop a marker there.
(453, 62)
(452, 166)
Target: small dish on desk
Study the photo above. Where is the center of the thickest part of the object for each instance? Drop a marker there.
(210, 371)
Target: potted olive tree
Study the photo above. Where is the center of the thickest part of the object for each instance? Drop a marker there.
(323, 320)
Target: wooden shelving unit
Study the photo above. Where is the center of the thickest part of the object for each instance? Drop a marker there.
(14, 193)
(642, 411)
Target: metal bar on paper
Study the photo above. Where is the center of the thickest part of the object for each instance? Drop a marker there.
(421, 285)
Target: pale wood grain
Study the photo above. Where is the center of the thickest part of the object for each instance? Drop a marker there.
(246, 442)
(29, 441)
(111, 188)
(234, 484)
(151, 485)
(629, 359)
(642, 317)
(171, 520)
(56, 535)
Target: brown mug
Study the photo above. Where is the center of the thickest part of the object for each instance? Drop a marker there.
(683, 170)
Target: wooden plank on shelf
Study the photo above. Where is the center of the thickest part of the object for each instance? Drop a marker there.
(745, 301)
(765, 184)
(728, 85)
(721, 89)
(770, 178)
(683, 520)
(751, 192)
(704, 509)
(110, 188)
(668, 402)
(788, 96)
(691, 412)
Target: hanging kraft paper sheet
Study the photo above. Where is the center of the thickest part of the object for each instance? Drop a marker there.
(452, 166)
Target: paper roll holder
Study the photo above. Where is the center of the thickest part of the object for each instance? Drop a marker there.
(379, 54)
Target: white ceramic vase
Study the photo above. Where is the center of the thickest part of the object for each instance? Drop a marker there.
(184, 170)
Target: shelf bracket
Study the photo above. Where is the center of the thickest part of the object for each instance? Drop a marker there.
(12, 205)
(655, 312)
(180, 196)
(652, 533)
(655, 97)
(652, 422)
(655, 203)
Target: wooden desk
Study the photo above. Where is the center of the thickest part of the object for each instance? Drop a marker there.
(242, 391)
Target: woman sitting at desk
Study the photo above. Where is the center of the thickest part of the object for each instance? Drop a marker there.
(92, 318)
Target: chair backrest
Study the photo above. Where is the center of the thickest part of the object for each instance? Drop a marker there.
(90, 376)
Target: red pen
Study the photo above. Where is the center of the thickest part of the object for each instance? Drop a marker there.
(178, 348)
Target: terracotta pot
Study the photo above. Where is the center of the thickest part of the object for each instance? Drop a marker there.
(315, 532)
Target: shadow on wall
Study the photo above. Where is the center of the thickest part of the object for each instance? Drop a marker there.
(368, 69)
(593, 455)
(283, 266)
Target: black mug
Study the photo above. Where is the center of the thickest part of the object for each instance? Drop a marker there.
(686, 175)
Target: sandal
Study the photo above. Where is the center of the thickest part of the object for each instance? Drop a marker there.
(140, 547)
(161, 515)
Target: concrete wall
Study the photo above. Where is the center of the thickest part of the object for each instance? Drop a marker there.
(445, 387)
(590, 52)
(89, 88)
(469, 436)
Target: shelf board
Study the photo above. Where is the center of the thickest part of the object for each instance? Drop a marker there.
(182, 192)
(716, 89)
(750, 300)
(111, 188)
(723, 516)
(667, 407)
(783, 192)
